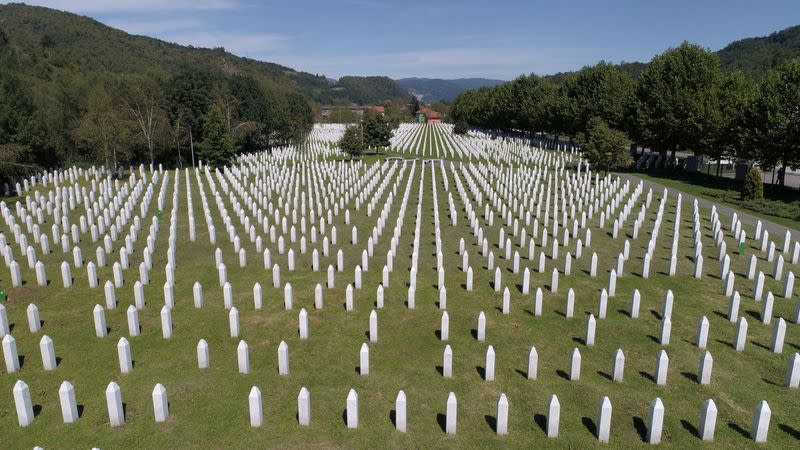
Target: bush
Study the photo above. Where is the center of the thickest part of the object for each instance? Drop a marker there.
(352, 143)
(753, 188)
(461, 127)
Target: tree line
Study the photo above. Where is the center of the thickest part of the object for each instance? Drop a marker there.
(682, 100)
(117, 120)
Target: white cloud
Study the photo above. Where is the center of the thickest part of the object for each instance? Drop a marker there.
(113, 6)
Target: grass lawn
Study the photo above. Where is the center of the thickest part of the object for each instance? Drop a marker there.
(782, 209)
(209, 409)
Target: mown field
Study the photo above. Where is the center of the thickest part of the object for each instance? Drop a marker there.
(209, 409)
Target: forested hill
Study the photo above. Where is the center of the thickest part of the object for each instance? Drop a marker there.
(42, 38)
(756, 55)
(433, 89)
(369, 90)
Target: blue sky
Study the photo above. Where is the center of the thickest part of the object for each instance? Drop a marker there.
(443, 39)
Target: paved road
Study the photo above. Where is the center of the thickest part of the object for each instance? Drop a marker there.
(776, 231)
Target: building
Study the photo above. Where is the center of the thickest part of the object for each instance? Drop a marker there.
(427, 115)
(328, 113)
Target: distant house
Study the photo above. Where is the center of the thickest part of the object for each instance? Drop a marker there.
(427, 115)
(332, 113)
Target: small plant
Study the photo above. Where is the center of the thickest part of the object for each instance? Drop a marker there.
(753, 188)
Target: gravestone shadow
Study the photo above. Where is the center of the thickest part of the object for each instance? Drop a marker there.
(491, 421)
(541, 421)
(641, 428)
(590, 425)
(690, 428)
(441, 419)
(735, 427)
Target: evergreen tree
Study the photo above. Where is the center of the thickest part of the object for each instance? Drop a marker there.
(753, 188)
(217, 147)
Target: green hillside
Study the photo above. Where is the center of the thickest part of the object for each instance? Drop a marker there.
(40, 38)
(756, 55)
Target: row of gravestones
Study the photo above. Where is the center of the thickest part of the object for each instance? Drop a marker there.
(762, 413)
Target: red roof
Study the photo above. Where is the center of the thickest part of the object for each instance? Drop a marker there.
(430, 114)
(378, 109)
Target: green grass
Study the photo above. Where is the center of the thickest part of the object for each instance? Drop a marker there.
(783, 209)
(208, 408)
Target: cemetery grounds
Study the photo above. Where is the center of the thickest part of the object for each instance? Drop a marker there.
(208, 408)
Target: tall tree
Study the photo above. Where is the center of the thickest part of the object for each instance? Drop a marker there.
(731, 138)
(775, 118)
(376, 130)
(596, 91)
(678, 99)
(140, 97)
(101, 130)
(604, 146)
(352, 142)
(217, 147)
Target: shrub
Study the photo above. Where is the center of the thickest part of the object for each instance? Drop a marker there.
(753, 188)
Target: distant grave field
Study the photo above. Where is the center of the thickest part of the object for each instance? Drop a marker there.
(452, 292)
